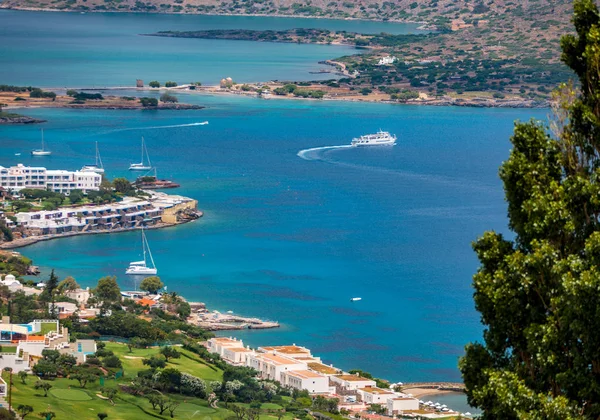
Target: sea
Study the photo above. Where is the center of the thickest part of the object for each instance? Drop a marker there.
(293, 227)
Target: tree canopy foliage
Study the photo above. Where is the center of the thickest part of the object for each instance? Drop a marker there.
(539, 294)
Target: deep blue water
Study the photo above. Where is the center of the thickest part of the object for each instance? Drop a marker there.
(282, 238)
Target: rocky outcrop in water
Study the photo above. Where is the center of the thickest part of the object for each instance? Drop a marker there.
(19, 119)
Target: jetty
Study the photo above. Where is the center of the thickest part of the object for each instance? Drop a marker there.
(217, 321)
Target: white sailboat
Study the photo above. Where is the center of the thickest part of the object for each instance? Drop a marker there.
(142, 166)
(42, 151)
(98, 167)
(141, 267)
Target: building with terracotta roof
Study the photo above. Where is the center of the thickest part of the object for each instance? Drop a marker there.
(290, 351)
(323, 369)
(147, 302)
(313, 382)
(352, 382)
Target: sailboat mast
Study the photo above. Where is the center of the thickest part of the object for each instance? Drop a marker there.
(147, 155)
(142, 150)
(42, 139)
(98, 158)
(149, 252)
(144, 245)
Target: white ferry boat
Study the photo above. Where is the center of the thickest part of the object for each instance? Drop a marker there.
(381, 138)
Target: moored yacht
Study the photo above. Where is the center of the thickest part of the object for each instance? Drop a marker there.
(381, 138)
(142, 166)
(141, 267)
(42, 151)
(98, 167)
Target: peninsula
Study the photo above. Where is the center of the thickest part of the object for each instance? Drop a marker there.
(17, 97)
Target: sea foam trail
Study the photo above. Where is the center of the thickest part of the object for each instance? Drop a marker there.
(162, 126)
(117, 130)
(313, 154)
(316, 153)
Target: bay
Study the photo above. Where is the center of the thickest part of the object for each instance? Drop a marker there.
(49, 49)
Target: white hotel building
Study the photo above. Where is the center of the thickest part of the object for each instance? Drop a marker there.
(19, 177)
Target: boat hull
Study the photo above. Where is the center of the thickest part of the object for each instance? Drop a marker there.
(92, 169)
(40, 153)
(390, 143)
(139, 168)
(141, 271)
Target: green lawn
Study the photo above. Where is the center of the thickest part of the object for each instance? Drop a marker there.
(132, 362)
(69, 401)
(70, 394)
(47, 327)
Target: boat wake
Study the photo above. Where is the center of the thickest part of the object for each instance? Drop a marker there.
(157, 127)
(320, 154)
(315, 152)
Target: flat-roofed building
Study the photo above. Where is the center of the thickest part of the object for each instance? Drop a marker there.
(313, 382)
(236, 355)
(19, 177)
(290, 351)
(352, 382)
(219, 344)
(271, 365)
(374, 395)
(399, 405)
(323, 369)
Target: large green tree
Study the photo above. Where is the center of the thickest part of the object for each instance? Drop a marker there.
(152, 284)
(539, 293)
(107, 291)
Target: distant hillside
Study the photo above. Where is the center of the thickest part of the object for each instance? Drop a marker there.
(441, 11)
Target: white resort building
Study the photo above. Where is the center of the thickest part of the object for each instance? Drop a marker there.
(129, 213)
(19, 177)
(352, 382)
(313, 382)
(271, 365)
(384, 61)
(295, 367)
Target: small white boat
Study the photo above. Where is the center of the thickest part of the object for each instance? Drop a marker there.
(142, 165)
(356, 299)
(141, 267)
(42, 151)
(17, 154)
(98, 167)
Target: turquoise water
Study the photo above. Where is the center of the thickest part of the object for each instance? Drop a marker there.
(104, 49)
(283, 238)
(293, 240)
